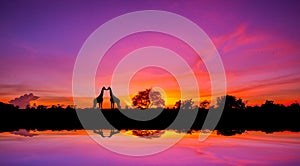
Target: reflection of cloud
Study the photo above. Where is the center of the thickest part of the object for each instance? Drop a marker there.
(24, 100)
(23, 132)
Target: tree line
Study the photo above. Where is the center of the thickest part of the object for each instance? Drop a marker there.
(236, 117)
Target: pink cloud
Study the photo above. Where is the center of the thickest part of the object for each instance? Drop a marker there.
(24, 100)
(241, 37)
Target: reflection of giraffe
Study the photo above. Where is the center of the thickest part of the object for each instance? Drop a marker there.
(112, 132)
(113, 99)
(99, 99)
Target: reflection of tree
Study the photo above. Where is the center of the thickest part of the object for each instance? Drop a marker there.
(147, 98)
(230, 132)
(185, 131)
(148, 133)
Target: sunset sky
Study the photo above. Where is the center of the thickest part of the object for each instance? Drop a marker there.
(258, 42)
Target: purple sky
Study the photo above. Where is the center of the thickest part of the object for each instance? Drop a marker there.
(257, 40)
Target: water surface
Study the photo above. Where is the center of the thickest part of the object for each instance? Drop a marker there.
(77, 148)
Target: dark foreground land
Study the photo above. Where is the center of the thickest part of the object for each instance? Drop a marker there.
(268, 119)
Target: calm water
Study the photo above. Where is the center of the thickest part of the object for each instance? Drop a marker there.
(77, 148)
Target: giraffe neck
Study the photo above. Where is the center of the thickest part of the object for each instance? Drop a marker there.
(111, 94)
(101, 93)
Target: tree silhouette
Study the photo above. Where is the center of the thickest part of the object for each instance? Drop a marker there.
(142, 100)
(187, 104)
(177, 104)
(269, 105)
(231, 103)
(204, 104)
(294, 106)
(148, 98)
(41, 107)
(156, 99)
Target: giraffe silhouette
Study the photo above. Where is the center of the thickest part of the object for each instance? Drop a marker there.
(113, 99)
(99, 99)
